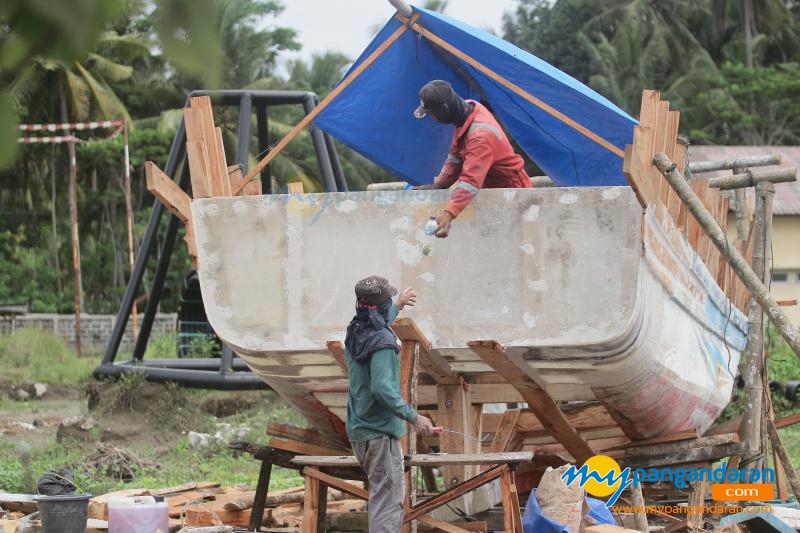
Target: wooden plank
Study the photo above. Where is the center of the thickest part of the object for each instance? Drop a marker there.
(311, 436)
(224, 182)
(663, 439)
(326, 101)
(433, 459)
(455, 492)
(336, 349)
(215, 153)
(168, 193)
(480, 527)
(660, 145)
(637, 161)
(693, 455)
(235, 176)
(520, 375)
(505, 431)
(434, 364)
(196, 155)
(662, 449)
(260, 498)
(336, 483)
(440, 525)
(311, 505)
(296, 446)
(673, 122)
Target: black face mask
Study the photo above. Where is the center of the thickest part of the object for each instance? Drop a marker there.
(369, 332)
(454, 110)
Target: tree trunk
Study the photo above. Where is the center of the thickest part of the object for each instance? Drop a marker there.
(747, 10)
(73, 206)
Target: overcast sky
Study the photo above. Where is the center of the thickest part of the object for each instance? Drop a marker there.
(347, 25)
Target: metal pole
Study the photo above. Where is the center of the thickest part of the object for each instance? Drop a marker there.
(160, 276)
(338, 173)
(129, 209)
(754, 369)
(148, 244)
(262, 124)
(243, 132)
(738, 263)
(321, 148)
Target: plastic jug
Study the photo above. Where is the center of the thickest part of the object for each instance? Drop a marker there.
(139, 514)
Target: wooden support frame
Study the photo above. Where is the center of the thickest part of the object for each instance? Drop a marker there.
(168, 193)
(434, 364)
(521, 376)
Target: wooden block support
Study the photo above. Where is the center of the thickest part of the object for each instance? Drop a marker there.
(434, 364)
(196, 153)
(521, 376)
(454, 413)
(336, 349)
(311, 510)
(168, 193)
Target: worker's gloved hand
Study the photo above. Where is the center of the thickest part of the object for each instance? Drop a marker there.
(407, 297)
(423, 426)
(443, 222)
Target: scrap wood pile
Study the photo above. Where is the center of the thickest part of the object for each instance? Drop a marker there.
(191, 505)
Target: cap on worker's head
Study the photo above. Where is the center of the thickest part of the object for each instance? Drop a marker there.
(374, 290)
(432, 96)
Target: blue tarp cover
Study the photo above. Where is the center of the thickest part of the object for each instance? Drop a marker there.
(374, 115)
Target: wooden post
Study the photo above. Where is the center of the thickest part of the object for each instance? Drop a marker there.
(325, 102)
(408, 389)
(129, 217)
(76, 246)
(512, 521)
(454, 413)
(260, 498)
(697, 500)
(754, 368)
(786, 462)
(311, 505)
(737, 261)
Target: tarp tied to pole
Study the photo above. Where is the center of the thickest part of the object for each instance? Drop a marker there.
(374, 114)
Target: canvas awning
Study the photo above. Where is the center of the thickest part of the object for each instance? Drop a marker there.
(374, 114)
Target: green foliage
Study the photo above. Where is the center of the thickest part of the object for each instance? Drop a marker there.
(31, 355)
(162, 347)
(204, 347)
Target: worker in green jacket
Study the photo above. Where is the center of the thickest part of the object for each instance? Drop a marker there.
(376, 412)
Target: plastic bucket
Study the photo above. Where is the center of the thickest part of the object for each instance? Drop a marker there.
(64, 514)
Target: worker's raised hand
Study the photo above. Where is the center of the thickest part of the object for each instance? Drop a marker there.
(443, 222)
(407, 297)
(423, 426)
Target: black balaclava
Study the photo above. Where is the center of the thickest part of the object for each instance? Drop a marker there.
(369, 331)
(437, 97)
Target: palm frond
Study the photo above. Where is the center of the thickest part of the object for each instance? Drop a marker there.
(108, 69)
(104, 100)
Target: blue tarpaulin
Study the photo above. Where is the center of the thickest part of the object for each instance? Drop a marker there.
(374, 114)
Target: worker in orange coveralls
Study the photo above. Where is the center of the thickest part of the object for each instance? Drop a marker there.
(480, 155)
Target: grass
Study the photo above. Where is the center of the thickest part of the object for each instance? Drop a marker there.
(33, 355)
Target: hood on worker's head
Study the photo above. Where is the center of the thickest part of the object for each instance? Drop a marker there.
(438, 99)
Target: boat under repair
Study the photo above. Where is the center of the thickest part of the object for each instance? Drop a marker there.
(600, 302)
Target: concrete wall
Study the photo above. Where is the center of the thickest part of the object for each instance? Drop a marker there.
(95, 329)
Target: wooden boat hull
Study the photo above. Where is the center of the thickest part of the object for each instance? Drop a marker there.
(603, 302)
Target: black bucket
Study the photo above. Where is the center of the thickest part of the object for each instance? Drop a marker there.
(64, 514)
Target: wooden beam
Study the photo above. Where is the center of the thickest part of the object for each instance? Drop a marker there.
(455, 492)
(408, 387)
(520, 375)
(311, 505)
(505, 431)
(434, 364)
(580, 128)
(168, 193)
(325, 102)
(663, 439)
(296, 446)
(512, 520)
(196, 155)
(440, 525)
(433, 459)
(336, 483)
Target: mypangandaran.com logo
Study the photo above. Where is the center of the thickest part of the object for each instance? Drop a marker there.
(602, 476)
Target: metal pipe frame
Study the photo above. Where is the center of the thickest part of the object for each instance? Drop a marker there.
(227, 372)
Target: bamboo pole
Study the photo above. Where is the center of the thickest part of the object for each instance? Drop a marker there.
(325, 102)
(750, 179)
(742, 211)
(513, 87)
(753, 374)
(129, 210)
(738, 263)
(639, 516)
(777, 445)
(698, 167)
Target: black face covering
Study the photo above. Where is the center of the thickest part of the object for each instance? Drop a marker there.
(369, 332)
(454, 110)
